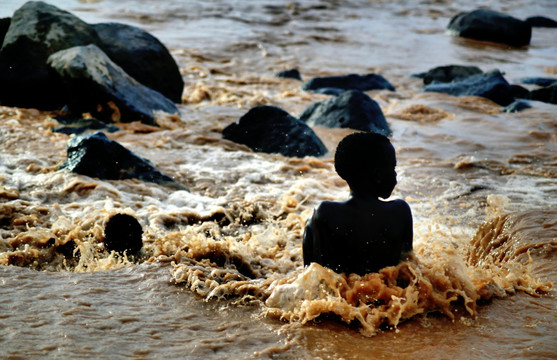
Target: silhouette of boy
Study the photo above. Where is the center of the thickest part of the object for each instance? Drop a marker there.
(364, 233)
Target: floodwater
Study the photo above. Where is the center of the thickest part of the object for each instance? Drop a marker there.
(221, 273)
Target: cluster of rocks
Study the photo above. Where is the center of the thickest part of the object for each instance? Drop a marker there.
(50, 58)
(272, 130)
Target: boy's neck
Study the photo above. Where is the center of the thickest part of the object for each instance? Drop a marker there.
(363, 195)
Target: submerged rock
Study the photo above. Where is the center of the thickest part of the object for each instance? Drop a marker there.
(538, 81)
(95, 155)
(490, 25)
(97, 85)
(546, 94)
(490, 85)
(123, 233)
(290, 74)
(519, 92)
(76, 125)
(270, 129)
(143, 57)
(38, 30)
(448, 73)
(352, 109)
(541, 21)
(350, 82)
(517, 106)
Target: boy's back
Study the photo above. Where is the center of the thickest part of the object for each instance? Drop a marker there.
(358, 236)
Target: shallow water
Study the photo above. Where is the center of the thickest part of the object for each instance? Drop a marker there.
(221, 273)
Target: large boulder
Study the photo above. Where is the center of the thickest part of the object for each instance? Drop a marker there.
(97, 85)
(490, 85)
(95, 155)
(349, 82)
(546, 94)
(272, 130)
(448, 73)
(352, 109)
(490, 25)
(143, 57)
(36, 31)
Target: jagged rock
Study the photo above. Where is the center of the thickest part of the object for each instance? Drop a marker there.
(541, 21)
(97, 85)
(546, 94)
(143, 57)
(97, 156)
(123, 233)
(490, 85)
(37, 30)
(538, 81)
(448, 73)
(272, 130)
(352, 109)
(517, 106)
(76, 125)
(290, 74)
(489, 25)
(350, 82)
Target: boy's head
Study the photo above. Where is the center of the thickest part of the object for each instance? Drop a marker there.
(367, 162)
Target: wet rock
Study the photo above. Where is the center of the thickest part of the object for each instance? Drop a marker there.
(517, 106)
(546, 94)
(352, 109)
(77, 125)
(489, 25)
(448, 73)
(97, 156)
(490, 85)
(97, 85)
(290, 74)
(329, 91)
(519, 92)
(538, 81)
(270, 129)
(4, 25)
(541, 21)
(350, 82)
(123, 233)
(143, 57)
(37, 30)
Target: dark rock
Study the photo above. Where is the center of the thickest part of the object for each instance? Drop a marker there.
(290, 74)
(97, 85)
(4, 25)
(37, 30)
(448, 73)
(541, 21)
(143, 57)
(97, 156)
(520, 92)
(272, 130)
(538, 81)
(350, 82)
(517, 106)
(77, 125)
(352, 109)
(489, 25)
(490, 85)
(546, 94)
(123, 233)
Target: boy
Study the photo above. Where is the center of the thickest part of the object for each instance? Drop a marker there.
(362, 234)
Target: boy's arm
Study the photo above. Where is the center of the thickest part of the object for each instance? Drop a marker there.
(408, 232)
(310, 242)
